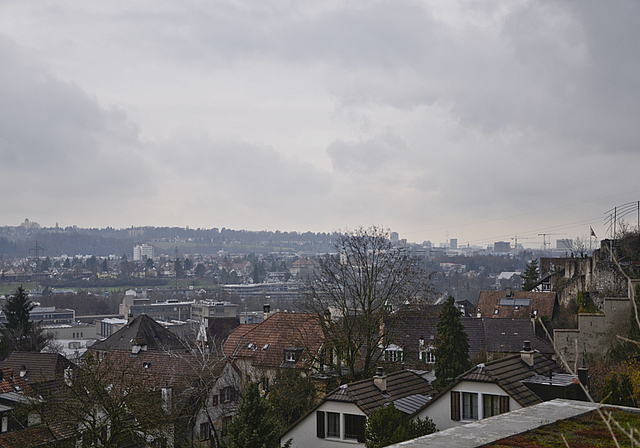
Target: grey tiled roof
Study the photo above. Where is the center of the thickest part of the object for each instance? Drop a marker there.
(369, 398)
(508, 335)
(509, 372)
(142, 330)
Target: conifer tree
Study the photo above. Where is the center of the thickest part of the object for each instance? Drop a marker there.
(19, 333)
(452, 346)
(253, 426)
(530, 276)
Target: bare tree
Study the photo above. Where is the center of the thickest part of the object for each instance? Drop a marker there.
(359, 293)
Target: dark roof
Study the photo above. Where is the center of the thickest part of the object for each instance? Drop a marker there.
(509, 372)
(526, 302)
(39, 367)
(508, 335)
(410, 327)
(143, 330)
(156, 369)
(221, 327)
(369, 398)
(265, 343)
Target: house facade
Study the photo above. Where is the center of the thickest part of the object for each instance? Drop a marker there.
(499, 387)
(340, 419)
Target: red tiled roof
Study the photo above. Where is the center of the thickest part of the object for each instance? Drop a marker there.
(490, 301)
(264, 343)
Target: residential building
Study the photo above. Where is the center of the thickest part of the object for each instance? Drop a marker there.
(340, 418)
(282, 340)
(501, 386)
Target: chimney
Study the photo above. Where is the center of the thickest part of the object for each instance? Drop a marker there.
(266, 309)
(583, 375)
(129, 318)
(509, 293)
(167, 393)
(527, 354)
(380, 380)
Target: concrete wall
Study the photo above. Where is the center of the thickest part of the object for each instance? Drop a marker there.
(440, 410)
(304, 433)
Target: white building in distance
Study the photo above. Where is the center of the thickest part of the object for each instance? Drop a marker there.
(142, 252)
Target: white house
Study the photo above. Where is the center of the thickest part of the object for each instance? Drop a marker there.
(500, 386)
(341, 416)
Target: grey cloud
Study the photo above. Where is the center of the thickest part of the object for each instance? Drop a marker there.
(59, 148)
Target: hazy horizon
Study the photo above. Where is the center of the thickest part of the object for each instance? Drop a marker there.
(479, 121)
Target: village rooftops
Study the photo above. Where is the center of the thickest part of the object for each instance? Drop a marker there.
(407, 390)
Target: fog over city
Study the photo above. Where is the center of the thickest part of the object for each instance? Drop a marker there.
(471, 120)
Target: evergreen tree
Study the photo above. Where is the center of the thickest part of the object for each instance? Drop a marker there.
(19, 333)
(291, 396)
(388, 425)
(530, 276)
(105, 266)
(452, 346)
(253, 426)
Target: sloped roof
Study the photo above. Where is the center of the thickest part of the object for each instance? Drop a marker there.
(10, 380)
(143, 330)
(369, 398)
(37, 436)
(155, 368)
(507, 336)
(40, 367)
(411, 326)
(508, 374)
(490, 301)
(265, 343)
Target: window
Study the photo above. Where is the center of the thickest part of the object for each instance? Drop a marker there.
(491, 405)
(214, 400)
(428, 356)
(225, 425)
(393, 355)
(205, 431)
(469, 406)
(290, 356)
(333, 424)
(354, 427)
(265, 384)
(226, 394)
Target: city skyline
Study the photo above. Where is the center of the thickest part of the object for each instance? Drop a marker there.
(436, 119)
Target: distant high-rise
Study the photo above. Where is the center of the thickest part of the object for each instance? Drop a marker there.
(453, 243)
(564, 244)
(142, 252)
(501, 246)
(394, 237)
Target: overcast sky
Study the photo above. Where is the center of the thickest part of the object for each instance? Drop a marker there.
(454, 119)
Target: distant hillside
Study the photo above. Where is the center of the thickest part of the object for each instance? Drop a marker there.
(17, 241)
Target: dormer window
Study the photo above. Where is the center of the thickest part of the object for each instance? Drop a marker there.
(292, 354)
(393, 353)
(428, 354)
